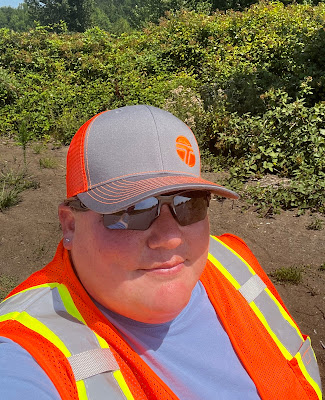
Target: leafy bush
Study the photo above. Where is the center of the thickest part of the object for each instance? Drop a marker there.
(8, 88)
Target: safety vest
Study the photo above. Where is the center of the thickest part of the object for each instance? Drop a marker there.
(53, 318)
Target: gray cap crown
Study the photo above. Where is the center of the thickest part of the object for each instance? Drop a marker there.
(135, 152)
(136, 140)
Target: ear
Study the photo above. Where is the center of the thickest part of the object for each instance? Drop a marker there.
(67, 221)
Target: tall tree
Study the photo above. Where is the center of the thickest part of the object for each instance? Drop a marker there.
(80, 14)
(16, 19)
(75, 13)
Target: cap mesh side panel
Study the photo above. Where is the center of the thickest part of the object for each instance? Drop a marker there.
(76, 177)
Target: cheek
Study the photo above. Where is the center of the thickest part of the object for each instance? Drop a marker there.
(109, 252)
(199, 236)
(198, 244)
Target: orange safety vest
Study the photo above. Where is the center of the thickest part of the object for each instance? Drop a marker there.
(53, 318)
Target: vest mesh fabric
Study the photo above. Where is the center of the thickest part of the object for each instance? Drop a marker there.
(142, 382)
(260, 356)
(48, 356)
(274, 377)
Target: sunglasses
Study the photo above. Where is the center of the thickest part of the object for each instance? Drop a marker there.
(186, 207)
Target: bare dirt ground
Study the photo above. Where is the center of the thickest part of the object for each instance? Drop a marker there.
(29, 233)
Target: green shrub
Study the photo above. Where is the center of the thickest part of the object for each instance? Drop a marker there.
(288, 275)
(316, 224)
(8, 87)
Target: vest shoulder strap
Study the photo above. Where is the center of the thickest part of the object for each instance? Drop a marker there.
(49, 311)
(278, 323)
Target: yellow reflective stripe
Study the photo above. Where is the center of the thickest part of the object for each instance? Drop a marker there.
(286, 317)
(50, 285)
(307, 376)
(72, 310)
(284, 314)
(102, 342)
(35, 325)
(48, 334)
(253, 305)
(123, 385)
(11, 315)
(251, 270)
(261, 317)
(69, 303)
(32, 323)
(223, 270)
(82, 392)
(65, 297)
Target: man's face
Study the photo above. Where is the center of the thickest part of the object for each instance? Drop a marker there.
(144, 275)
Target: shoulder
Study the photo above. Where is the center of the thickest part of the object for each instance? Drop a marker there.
(21, 376)
(233, 241)
(241, 248)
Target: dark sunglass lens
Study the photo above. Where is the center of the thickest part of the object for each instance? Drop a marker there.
(116, 221)
(143, 213)
(191, 207)
(138, 217)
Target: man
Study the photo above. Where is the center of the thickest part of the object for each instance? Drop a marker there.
(139, 302)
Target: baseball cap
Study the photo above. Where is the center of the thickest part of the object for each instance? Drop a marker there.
(122, 156)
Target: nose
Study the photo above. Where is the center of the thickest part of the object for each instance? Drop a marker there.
(165, 231)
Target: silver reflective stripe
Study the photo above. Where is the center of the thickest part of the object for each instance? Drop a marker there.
(92, 362)
(15, 303)
(103, 387)
(230, 262)
(285, 333)
(309, 360)
(252, 288)
(46, 305)
(48, 308)
(283, 330)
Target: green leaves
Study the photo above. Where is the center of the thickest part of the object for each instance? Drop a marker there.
(251, 85)
(76, 14)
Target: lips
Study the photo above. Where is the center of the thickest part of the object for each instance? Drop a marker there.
(173, 264)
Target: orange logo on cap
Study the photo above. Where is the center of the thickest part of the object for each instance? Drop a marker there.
(185, 151)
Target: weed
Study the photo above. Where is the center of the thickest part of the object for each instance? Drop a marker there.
(38, 147)
(23, 136)
(8, 197)
(288, 274)
(12, 184)
(316, 224)
(40, 250)
(47, 162)
(322, 267)
(7, 283)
